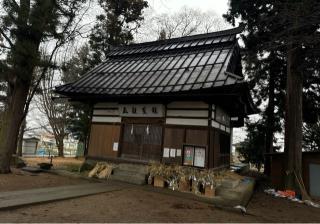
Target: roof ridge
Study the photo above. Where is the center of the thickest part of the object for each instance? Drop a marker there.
(231, 31)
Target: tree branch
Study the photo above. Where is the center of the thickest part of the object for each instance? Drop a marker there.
(6, 37)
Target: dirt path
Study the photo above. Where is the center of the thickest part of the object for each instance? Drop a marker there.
(136, 205)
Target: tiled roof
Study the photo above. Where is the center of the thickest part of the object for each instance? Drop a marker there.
(176, 65)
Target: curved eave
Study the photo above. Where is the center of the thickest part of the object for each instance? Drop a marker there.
(236, 93)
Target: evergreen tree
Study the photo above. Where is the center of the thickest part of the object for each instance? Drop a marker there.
(311, 137)
(78, 122)
(290, 27)
(115, 26)
(252, 148)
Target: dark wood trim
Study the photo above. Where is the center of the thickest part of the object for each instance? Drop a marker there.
(186, 126)
(120, 140)
(208, 137)
(104, 123)
(219, 130)
(106, 108)
(90, 127)
(163, 133)
(143, 120)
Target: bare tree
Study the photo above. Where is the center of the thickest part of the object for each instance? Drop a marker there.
(185, 22)
(55, 112)
(24, 27)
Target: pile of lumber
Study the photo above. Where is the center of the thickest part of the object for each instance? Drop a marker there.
(101, 170)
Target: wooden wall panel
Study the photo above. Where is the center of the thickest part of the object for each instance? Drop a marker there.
(216, 148)
(307, 159)
(102, 137)
(211, 149)
(197, 137)
(174, 138)
(278, 168)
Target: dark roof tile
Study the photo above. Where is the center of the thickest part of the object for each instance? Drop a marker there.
(179, 64)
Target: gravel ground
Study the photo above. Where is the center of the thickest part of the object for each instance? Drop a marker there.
(58, 162)
(137, 205)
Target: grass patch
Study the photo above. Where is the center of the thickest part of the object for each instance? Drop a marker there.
(75, 168)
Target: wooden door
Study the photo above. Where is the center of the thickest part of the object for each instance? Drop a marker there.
(102, 138)
(141, 141)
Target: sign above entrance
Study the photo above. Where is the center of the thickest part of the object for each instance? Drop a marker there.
(141, 110)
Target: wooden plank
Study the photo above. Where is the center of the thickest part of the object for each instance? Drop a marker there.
(102, 138)
(197, 137)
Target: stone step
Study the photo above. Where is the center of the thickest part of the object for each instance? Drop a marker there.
(129, 177)
(127, 173)
(227, 193)
(133, 168)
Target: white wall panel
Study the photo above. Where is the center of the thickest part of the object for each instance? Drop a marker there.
(106, 112)
(106, 119)
(215, 124)
(187, 104)
(185, 121)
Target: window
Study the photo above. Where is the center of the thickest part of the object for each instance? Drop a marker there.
(194, 156)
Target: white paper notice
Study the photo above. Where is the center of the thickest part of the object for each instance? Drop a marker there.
(178, 152)
(166, 152)
(115, 146)
(199, 157)
(173, 153)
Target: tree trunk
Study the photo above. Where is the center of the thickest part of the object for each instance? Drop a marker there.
(60, 146)
(10, 125)
(293, 120)
(85, 148)
(20, 138)
(270, 124)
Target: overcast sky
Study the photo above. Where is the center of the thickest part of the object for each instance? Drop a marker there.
(161, 6)
(219, 6)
